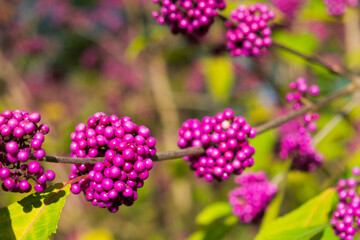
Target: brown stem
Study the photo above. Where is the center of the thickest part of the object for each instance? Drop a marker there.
(74, 180)
(199, 150)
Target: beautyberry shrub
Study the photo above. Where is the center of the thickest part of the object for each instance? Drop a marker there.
(248, 32)
(346, 218)
(192, 18)
(251, 198)
(127, 150)
(21, 140)
(224, 138)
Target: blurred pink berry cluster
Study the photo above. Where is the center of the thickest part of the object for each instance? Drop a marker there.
(295, 135)
(250, 199)
(289, 7)
(189, 17)
(338, 7)
(248, 32)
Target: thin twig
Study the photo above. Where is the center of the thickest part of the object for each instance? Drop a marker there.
(199, 150)
(336, 69)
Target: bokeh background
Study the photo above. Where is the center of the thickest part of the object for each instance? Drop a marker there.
(70, 59)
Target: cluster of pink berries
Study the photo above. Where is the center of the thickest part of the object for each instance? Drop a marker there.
(295, 135)
(300, 89)
(249, 33)
(296, 142)
(21, 136)
(127, 149)
(224, 138)
(288, 7)
(338, 7)
(189, 17)
(346, 217)
(251, 198)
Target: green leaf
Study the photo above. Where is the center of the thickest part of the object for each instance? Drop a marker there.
(35, 216)
(303, 43)
(219, 77)
(97, 234)
(198, 235)
(329, 234)
(273, 209)
(264, 145)
(213, 212)
(313, 213)
(216, 230)
(297, 234)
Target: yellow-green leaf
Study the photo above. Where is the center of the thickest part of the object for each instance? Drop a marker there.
(213, 212)
(311, 215)
(219, 76)
(35, 216)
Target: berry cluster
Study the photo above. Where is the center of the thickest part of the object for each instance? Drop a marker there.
(224, 138)
(288, 7)
(300, 90)
(189, 17)
(346, 217)
(248, 32)
(338, 7)
(251, 198)
(295, 135)
(127, 149)
(22, 135)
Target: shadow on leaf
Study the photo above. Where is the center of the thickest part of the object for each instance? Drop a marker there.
(36, 200)
(7, 232)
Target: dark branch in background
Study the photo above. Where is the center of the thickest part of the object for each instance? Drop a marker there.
(336, 69)
(352, 87)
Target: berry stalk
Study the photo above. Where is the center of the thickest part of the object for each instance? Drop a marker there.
(167, 155)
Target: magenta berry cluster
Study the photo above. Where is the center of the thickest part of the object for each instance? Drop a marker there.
(300, 90)
(248, 32)
(346, 217)
(127, 150)
(192, 18)
(250, 199)
(21, 137)
(338, 7)
(288, 7)
(224, 138)
(295, 135)
(296, 143)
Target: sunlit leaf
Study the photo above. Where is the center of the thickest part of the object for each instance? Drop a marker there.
(297, 234)
(35, 216)
(329, 234)
(213, 212)
(219, 76)
(310, 216)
